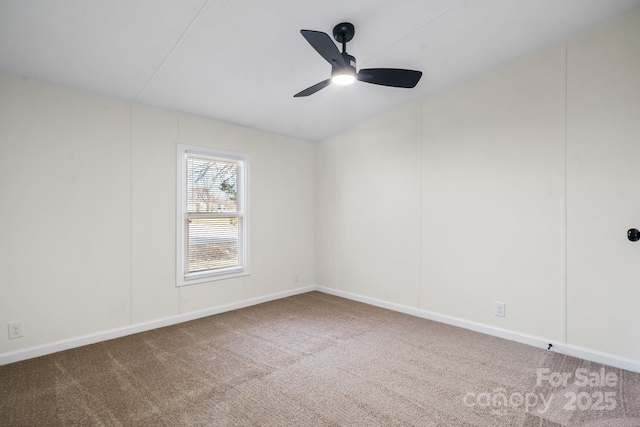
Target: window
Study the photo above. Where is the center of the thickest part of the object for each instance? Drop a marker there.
(212, 220)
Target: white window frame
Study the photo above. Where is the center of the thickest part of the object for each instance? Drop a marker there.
(183, 278)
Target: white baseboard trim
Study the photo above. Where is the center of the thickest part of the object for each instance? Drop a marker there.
(42, 350)
(558, 347)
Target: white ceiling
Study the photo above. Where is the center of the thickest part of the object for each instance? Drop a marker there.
(241, 61)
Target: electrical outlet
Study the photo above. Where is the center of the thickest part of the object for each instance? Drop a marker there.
(15, 329)
(296, 278)
(500, 309)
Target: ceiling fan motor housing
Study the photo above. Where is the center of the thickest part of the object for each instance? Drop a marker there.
(349, 60)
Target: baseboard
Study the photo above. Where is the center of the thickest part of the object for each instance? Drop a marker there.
(558, 347)
(42, 350)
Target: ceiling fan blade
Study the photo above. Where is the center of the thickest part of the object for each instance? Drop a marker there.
(322, 43)
(394, 77)
(313, 89)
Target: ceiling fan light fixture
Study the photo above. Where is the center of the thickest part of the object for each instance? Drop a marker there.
(343, 77)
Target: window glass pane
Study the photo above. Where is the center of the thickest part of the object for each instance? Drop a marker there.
(211, 185)
(212, 243)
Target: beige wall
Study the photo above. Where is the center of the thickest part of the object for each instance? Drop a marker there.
(492, 186)
(88, 213)
(65, 190)
(516, 187)
(368, 209)
(603, 187)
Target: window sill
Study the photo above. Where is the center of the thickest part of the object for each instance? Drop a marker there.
(210, 277)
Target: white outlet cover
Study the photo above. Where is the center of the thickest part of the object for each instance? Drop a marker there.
(15, 330)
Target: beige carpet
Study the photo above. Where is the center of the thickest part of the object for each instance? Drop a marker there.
(313, 360)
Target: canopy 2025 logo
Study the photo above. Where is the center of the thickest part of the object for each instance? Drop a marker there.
(595, 400)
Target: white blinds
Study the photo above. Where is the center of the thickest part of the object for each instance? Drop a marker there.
(213, 243)
(212, 185)
(213, 213)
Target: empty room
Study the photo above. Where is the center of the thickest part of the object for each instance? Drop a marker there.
(295, 213)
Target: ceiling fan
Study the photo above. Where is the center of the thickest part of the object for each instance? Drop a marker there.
(343, 65)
